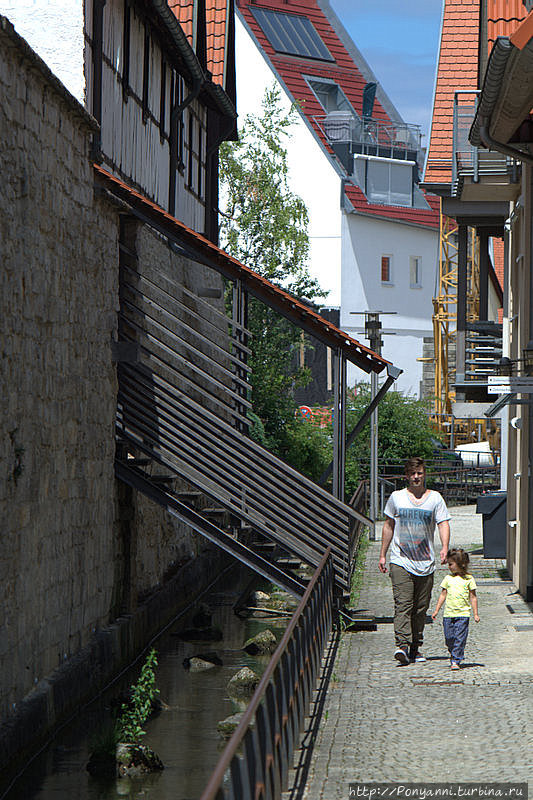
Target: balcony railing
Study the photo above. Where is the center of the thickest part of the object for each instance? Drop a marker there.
(371, 137)
(470, 161)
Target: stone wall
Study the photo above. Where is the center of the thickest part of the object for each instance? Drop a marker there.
(58, 296)
(77, 549)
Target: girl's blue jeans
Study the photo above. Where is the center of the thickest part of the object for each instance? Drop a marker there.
(455, 634)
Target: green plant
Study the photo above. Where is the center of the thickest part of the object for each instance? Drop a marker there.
(359, 568)
(134, 714)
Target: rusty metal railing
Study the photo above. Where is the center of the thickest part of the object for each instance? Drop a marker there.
(269, 730)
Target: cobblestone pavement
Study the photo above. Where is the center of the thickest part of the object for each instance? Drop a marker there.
(422, 722)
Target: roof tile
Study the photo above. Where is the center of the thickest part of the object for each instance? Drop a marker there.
(346, 74)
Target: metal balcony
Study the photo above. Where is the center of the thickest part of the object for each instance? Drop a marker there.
(348, 134)
(476, 172)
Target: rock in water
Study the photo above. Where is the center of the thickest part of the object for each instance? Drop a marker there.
(263, 643)
(243, 684)
(196, 664)
(227, 726)
(136, 759)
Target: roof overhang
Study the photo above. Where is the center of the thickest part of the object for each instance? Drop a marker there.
(507, 95)
(198, 248)
(198, 75)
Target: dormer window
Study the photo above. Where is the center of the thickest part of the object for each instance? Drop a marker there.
(329, 94)
(291, 33)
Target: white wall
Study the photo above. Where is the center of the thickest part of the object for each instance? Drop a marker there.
(54, 29)
(365, 240)
(312, 176)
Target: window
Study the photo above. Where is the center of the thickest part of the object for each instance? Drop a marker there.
(415, 270)
(385, 181)
(291, 33)
(329, 95)
(386, 274)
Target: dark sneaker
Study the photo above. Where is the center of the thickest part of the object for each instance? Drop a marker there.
(416, 656)
(400, 654)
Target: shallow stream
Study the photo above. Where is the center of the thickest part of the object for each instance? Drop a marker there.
(184, 734)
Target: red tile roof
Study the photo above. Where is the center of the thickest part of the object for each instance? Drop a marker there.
(343, 70)
(457, 69)
(183, 10)
(216, 12)
(503, 18)
(216, 32)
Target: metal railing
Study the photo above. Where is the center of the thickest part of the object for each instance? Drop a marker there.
(371, 137)
(269, 730)
(467, 159)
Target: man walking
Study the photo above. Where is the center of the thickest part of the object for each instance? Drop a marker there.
(409, 528)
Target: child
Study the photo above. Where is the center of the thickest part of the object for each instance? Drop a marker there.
(459, 592)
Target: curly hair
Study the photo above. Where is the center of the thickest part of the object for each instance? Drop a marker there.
(459, 557)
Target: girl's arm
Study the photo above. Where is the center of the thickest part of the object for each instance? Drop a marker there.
(473, 603)
(440, 601)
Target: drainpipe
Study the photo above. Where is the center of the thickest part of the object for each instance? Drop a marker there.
(493, 144)
(97, 35)
(529, 348)
(175, 117)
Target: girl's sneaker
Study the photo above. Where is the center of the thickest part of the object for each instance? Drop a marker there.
(454, 665)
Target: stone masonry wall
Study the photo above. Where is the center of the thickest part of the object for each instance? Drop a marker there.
(58, 300)
(78, 549)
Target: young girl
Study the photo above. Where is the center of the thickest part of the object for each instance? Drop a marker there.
(459, 593)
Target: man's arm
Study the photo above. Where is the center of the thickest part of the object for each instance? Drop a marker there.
(444, 533)
(386, 539)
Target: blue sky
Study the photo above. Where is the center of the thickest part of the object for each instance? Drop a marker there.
(399, 39)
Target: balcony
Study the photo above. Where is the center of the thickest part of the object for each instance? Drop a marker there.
(349, 135)
(477, 174)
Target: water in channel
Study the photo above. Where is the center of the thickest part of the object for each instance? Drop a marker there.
(184, 734)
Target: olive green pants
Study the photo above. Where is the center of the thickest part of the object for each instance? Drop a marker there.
(412, 595)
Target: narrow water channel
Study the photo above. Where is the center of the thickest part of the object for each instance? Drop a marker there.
(184, 734)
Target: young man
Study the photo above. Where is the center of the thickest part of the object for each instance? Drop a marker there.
(409, 528)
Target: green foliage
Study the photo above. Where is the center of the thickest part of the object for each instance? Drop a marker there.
(134, 714)
(264, 225)
(404, 430)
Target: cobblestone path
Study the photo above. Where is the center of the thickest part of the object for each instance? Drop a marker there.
(385, 722)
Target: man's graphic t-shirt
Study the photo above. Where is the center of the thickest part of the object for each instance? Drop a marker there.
(414, 529)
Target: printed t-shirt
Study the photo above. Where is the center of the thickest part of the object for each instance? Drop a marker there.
(414, 529)
(458, 595)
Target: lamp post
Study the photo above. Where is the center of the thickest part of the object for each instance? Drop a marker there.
(373, 334)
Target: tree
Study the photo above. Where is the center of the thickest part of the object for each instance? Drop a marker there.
(264, 225)
(404, 430)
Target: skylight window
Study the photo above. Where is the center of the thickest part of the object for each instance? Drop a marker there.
(291, 33)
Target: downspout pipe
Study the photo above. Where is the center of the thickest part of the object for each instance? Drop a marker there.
(507, 150)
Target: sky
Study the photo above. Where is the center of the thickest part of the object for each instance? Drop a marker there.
(400, 40)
